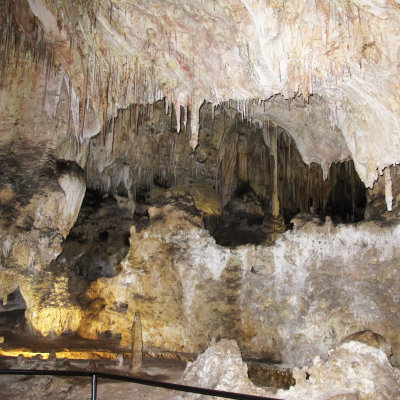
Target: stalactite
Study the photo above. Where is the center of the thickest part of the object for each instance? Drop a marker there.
(84, 101)
(112, 125)
(194, 121)
(185, 116)
(47, 76)
(137, 117)
(105, 107)
(33, 44)
(177, 108)
(69, 89)
(388, 189)
(60, 80)
(166, 105)
(228, 156)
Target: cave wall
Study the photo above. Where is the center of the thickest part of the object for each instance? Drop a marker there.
(42, 182)
(316, 285)
(274, 299)
(189, 290)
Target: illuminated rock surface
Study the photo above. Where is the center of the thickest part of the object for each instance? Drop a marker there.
(220, 367)
(284, 302)
(229, 145)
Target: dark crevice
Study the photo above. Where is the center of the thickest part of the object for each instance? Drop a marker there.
(99, 240)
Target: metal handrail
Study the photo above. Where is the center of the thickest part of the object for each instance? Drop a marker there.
(140, 381)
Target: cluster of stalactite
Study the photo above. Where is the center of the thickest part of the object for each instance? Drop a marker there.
(267, 158)
(22, 48)
(146, 144)
(302, 187)
(142, 148)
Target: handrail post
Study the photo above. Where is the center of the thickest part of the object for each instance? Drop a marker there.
(94, 387)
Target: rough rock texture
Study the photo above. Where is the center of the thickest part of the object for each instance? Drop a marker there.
(220, 367)
(42, 187)
(324, 282)
(99, 240)
(325, 75)
(232, 153)
(43, 146)
(352, 371)
(376, 200)
(48, 304)
(284, 302)
(118, 53)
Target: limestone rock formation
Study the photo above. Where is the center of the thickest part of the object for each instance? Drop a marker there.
(343, 52)
(284, 302)
(220, 367)
(352, 370)
(190, 119)
(42, 188)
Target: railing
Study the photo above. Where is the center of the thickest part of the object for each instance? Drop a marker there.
(140, 381)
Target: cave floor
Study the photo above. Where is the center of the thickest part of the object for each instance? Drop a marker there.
(22, 350)
(70, 388)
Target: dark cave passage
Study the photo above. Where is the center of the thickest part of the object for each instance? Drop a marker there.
(99, 240)
(249, 215)
(12, 314)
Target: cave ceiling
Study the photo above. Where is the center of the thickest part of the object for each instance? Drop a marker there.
(326, 71)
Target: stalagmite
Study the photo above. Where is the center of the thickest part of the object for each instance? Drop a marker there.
(388, 189)
(137, 344)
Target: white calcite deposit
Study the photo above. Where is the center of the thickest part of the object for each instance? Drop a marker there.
(325, 73)
(351, 371)
(220, 367)
(345, 52)
(284, 302)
